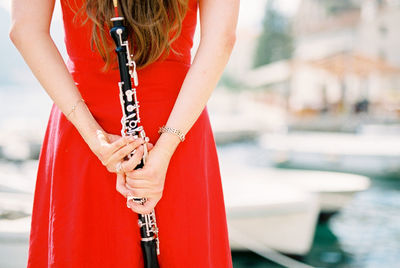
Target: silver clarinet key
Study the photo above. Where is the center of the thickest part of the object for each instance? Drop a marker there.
(130, 108)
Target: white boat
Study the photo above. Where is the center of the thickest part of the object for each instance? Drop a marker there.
(276, 215)
(279, 208)
(379, 129)
(334, 189)
(14, 229)
(372, 155)
(14, 242)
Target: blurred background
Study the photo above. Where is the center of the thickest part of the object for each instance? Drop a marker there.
(306, 119)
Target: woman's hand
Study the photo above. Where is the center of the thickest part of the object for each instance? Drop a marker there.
(146, 182)
(130, 164)
(112, 149)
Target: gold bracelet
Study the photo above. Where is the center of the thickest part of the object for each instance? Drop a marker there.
(175, 131)
(74, 107)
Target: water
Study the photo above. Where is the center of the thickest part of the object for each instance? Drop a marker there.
(366, 233)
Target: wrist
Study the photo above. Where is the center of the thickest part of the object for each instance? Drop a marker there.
(172, 130)
(87, 126)
(168, 142)
(93, 141)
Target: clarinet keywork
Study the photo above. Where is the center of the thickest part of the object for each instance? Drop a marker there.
(131, 126)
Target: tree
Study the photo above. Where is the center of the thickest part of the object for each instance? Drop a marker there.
(275, 42)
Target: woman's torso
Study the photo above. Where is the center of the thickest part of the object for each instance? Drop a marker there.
(159, 82)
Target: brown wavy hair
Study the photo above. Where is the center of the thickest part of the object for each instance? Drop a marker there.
(152, 25)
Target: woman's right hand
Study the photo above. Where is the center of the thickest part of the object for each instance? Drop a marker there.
(112, 149)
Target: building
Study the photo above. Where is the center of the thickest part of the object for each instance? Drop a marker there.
(346, 60)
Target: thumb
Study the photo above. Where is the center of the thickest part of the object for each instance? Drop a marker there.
(149, 146)
(113, 137)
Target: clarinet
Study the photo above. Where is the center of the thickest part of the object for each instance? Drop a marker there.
(130, 126)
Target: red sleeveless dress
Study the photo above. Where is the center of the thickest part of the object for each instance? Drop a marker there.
(79, 219)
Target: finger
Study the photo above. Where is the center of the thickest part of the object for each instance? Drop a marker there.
(120, 185)
(146, 208)
(140, 173)
(118, 168)
(120, 154)
(137, 183)
(136, 192)
(120, 143)
(113, 137)
(132, 163)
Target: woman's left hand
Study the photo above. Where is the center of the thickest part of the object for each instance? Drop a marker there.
(148, 181)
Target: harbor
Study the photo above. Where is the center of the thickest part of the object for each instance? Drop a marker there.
(363, 233)
(306, 120)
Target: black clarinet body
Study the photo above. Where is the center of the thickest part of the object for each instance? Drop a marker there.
(131, 126)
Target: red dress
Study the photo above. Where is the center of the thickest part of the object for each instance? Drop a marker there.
(79, 219)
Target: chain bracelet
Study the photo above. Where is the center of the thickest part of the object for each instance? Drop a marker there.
(172, 130)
